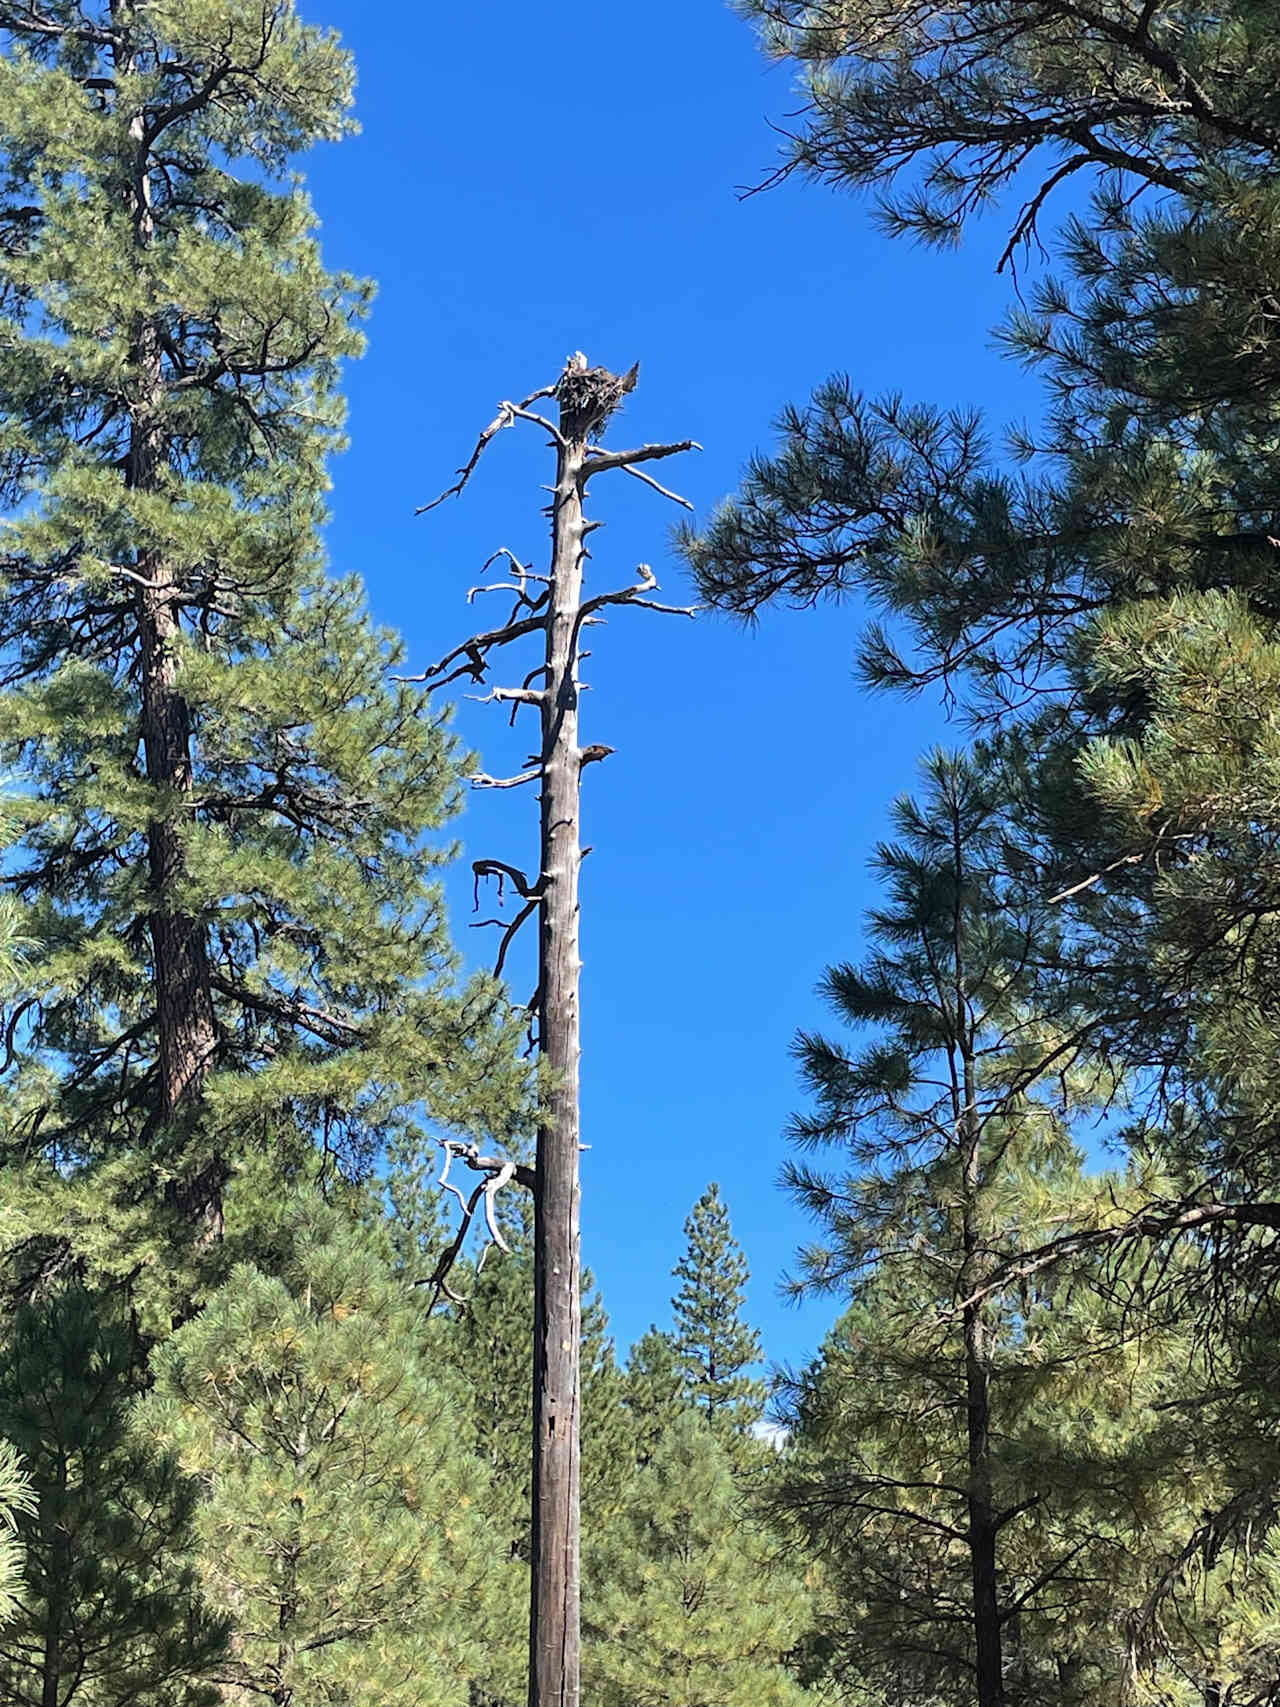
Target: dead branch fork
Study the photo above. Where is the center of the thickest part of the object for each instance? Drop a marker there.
(496, 1171)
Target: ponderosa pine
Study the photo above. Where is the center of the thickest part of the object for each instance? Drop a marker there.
(949, 1129)
(1103, 595)
(686, 1596)
(344, 1531)
(222, 796)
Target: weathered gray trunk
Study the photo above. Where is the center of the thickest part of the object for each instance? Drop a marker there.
(555, 1592)
(586, 397)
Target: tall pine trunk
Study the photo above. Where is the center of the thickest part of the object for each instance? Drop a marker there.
(988, 1655)
(982, 1526)
(185, 1024)
(989, 1658)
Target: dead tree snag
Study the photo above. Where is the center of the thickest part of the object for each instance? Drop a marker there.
(556, 607)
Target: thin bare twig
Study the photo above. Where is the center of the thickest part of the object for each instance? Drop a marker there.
(508, 414)
(1095, 877)
(476, 653)
(664, 491)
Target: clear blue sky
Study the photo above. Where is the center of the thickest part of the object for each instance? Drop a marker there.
(529, 181)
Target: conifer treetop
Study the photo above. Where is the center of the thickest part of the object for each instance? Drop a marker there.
(713, 1345)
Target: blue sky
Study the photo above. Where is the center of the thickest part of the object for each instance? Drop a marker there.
(530, 181)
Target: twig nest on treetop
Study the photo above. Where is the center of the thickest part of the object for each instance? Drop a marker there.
(589, 395)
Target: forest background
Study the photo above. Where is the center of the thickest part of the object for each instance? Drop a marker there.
(263, 1441)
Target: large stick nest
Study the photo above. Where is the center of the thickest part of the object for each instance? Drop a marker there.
(588, 396)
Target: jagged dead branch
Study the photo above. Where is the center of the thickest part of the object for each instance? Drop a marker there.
(507, 416)
(529, 893)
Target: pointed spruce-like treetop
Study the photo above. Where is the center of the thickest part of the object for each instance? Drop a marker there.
(713, 1345)
(222, 796)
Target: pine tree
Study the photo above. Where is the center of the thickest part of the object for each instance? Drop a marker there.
(713, 1345)
(344, 1530)
(224, 797)
(684, 1599)
(489, 1344)
(951, 1128)
(110, 1611)
(16, 1501)
(1103, 594)
(653, 1392)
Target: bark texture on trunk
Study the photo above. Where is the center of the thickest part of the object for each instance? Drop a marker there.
(983, 1526)
(988, 1647)
(184, 998)
(982, 1519)
(554, 1614)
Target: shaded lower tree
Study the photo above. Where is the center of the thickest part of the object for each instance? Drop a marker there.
(1093, 1476)
(488, 1341)
(110, 1610)
(344, 1530)
(685, 1598)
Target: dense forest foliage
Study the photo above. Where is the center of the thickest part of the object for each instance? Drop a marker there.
(1036, 1460)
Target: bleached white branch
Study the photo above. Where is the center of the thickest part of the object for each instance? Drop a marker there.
(481, 779)
(520, 696)
(498, 1171)
(664, 491)
(634, 595)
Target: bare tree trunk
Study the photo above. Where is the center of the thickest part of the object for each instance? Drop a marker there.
(977, 1375)
(586, 397)
(185, 1023)
(554, 1616)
